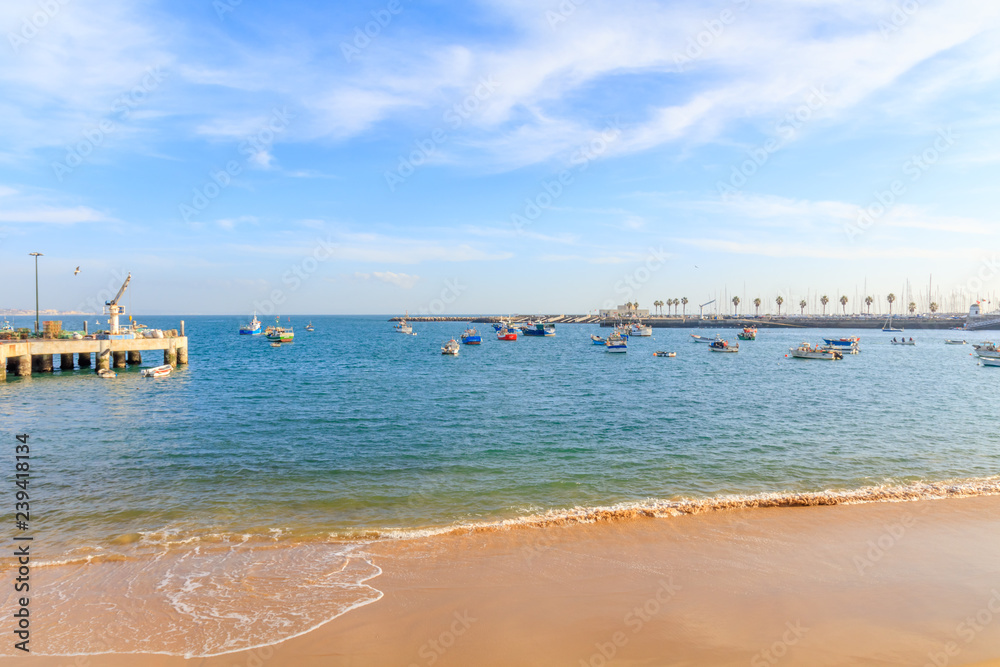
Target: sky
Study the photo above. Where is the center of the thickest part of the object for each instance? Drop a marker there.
(486, 156)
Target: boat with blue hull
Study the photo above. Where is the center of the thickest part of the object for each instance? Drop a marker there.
(597, 340)
(471, 337)
(253, 328)
(616, 343)
(538, 329)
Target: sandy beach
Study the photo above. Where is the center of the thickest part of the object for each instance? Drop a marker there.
(908, 583)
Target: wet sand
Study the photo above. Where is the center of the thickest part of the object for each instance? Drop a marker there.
(908, 583)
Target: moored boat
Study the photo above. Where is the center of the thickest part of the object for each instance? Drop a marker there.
(280, 334)
(310, 327)
(471, 337)
(955, 342)
(597, 340)
(403, 327)
(723, 346)
(616, 343)
(664, 354)
(888, 326)
(704, 339)
(640, 329)
(987, 361)
(538, 329)
(987, 351)
(748, 333)
(503, 333)
(106, 373)
(807, 351)
(451, 347)
(158, 372)
(842, 342)
(253, 328)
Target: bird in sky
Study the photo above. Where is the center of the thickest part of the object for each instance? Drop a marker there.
(77, 271)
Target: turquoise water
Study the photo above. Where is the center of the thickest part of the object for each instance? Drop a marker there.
(354, 428)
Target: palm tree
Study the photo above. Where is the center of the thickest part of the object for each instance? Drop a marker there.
(736, 304)
(890, 299)
(934, 307)
(912, 307)
(824, 300)
(628, 306)
(868, 302)
(843, 303)
(756, 305)
(802, 307)
(675, 303)
(684, 302)
(780, 300)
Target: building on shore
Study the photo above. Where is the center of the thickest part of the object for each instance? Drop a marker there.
(624, 311)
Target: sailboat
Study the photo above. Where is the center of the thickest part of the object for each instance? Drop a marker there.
(888, 326)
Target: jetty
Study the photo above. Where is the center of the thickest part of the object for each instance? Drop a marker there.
(37, 355)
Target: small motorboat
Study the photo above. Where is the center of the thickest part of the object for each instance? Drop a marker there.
(723, 346)
(903, 341)
(403, 327)
(807, 351)
(704, 339)
(538, 329)
(853, 349)
(106, 373)
(597, 340)
(842, 342)
(471, 337)
(955, 342)
(639, 329)
(158, 372)
(503, 333)
(987, 351)
(616, 343)
(451, 347)
(664, 354)
(986, 361)
(310, 327)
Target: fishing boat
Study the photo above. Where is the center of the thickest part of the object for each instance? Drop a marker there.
(853, 349)
(903, 341)
(158, 372)
(616, 343)
(987, 351)
(842, 342)
(402, 326)
(723, 346)
(990, 362)
(888, 326)
(664, 354)
(597, 340)
(280, 334)
(451, 347)
(640, 329)
(506, 334)
(6, 326)
(807, 351)
(471, 337)
(538, 329)
(704, 339)
(310, 327)
(955, 342)
(106, 373)
(251, 329)
(748, 333)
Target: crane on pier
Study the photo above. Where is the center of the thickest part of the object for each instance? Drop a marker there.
(114, 309)
(702, 307)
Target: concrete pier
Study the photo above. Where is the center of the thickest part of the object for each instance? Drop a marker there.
(24, 357)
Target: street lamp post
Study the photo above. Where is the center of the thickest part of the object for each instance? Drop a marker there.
(36, 255)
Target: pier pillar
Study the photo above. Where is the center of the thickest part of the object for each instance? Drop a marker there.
(103, 361)
(24, 365)
(43, 363)
(84, 327)
(182, 355)
(170, 357)
(134, 357)
(83, 359)
(182, 327)
(119, 357)
(66, 362)
(11, 365)
(3, 368)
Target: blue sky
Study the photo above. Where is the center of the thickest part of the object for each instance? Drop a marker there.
(550, 156)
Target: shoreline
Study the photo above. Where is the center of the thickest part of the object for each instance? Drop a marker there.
(865, 580)
(724, 322)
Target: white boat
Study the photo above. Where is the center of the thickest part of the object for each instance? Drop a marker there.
(903, 342)
(888, 326)
(106, 373)
(616, 343)
(723, 346)
(987, 351)
(403, 327)
(990, 362)
(639, 329)
(704, 339)
(807, 351)
(853, 349)
(451, 347)
(158, 372)
(955, 342)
